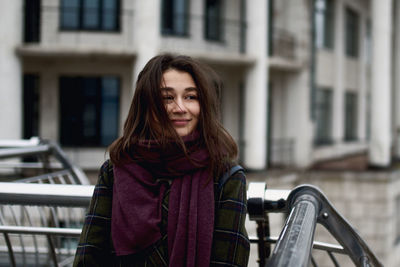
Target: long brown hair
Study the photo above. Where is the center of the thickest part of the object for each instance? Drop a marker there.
(148, 118)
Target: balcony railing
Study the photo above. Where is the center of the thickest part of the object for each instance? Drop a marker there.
(282, 44)
(192, 33)
(282, 152)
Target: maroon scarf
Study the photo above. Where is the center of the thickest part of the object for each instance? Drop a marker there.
(137, 198)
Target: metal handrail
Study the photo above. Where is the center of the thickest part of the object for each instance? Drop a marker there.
(316, 244)
(52, 195)
(74, 232)
(306, 206)
(43, 197)
(24, 151)
(33, 141)
(45, 194)
(41, 148)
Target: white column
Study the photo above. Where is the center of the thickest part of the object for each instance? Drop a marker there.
(146, 33)
(255, 125)
(396, 76)
(363, 78)
(381, 83)
(340, 75)
(10, 70)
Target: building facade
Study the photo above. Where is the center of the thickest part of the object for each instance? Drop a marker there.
(305, 82)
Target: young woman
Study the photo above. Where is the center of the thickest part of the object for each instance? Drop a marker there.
(168, 196)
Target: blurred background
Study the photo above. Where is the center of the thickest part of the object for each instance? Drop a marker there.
(311, 87)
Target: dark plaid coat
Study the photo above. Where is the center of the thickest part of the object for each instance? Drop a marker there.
(230, 242)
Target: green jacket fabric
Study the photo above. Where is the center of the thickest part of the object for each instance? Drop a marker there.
(230, 247)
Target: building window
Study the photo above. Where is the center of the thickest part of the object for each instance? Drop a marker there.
(89, 110)
(352, 33)
(31, 105)
(213, 20)
(323, 117)
(350, 119)
(174, 17)
(368, 42)
(397, 240)
(271, 27)
(325, 23)
(32, 21)
(90, 15)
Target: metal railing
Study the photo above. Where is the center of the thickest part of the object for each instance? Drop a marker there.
(43, 201)
(306, 207)
(41, 216)
(39, 161)
(49, 238)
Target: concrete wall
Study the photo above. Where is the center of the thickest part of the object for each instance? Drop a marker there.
(10, 71)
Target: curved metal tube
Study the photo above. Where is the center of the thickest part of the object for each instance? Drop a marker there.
(306, 206)
(296, 239)
(325, 214)
(339, 227)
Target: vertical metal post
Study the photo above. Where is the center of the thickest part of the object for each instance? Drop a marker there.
(264, 248)
(10, 250)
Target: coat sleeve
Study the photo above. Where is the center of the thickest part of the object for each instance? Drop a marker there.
(231, 245)
(94, 248)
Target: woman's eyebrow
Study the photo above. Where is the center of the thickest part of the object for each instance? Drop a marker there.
(190, 89)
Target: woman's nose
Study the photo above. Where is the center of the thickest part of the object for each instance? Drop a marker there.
(179, 106)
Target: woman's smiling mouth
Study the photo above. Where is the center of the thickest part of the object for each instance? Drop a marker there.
(180, 122)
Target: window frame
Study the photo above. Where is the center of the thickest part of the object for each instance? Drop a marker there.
(327, 29)
(397, 220)
(350, 123)
(326, 111)
(72, 88)
(208, 21)
(170, 29)
(31, 105)
(32, 21)
(81, 15)
(352, 33)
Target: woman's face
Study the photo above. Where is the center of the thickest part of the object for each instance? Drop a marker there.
(181, 100)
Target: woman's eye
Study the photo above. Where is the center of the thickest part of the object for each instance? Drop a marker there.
(168, 97)
(191, 97)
